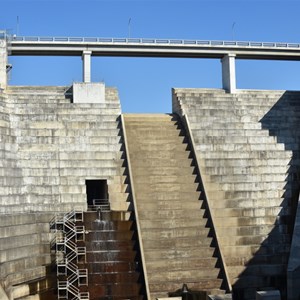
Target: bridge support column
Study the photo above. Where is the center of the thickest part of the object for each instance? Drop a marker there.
(228, 73)
(3, 64)
(86, 59)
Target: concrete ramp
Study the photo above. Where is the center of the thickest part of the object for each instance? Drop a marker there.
(175, 233)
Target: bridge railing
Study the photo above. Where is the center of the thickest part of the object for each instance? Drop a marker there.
(156, 41)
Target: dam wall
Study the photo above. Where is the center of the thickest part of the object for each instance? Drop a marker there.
(247, 145)
(248, 149)
(50, 149)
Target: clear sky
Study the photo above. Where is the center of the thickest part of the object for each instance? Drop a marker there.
(145, 84)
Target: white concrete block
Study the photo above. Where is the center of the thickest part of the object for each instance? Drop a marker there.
(87, 92)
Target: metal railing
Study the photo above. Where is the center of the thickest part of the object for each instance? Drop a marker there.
(153, 41)
(101, 204)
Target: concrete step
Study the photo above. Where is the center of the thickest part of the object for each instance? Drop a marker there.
(172, 205)
(13, 266)
(226, 124)
(172, 215)
(178, 265)
(240, 147)
(183, 274)
(187, 253)
(166, 187)
(176, 195)
(164, 161)
(236, 139)
(248, 203)
(246, 221)
(247, 178)
(259, 155)
(250, 186)
(180, 243)
(160, 179)
(26, 275)
(196, 285)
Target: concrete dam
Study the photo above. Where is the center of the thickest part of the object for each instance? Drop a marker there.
(96, 204)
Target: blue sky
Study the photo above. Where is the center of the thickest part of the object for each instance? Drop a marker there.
(145, 84)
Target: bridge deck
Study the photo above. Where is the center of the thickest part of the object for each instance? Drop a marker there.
(140, 47)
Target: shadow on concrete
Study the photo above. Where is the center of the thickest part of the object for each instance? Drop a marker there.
(181, 126)
(271, 260)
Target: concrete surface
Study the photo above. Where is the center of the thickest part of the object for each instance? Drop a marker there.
(3, 63)
(87, 92)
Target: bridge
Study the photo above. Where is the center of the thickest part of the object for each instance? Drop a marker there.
(227, 51)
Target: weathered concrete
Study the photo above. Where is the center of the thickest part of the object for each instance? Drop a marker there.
(3, 64)
(56, 146)
(249, 147)
(49, 148)
(172, 219)
(3, 295)
(87, 92)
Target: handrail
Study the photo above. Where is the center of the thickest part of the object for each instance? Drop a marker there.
(74, 290)
(72, 278)
(197, 161)
(135, 206)
(84, 295)
(154, 41)
(81, 250)
(58, 218)
(102, 204)
(70, 257)
(100, 201)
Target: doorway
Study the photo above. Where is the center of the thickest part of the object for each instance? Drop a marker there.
(96, 189)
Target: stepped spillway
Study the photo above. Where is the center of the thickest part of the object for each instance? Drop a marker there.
(174, 231)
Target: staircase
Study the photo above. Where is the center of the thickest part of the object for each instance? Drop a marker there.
(249, 149)
(97, 255)
(175, 234)
(68, 254)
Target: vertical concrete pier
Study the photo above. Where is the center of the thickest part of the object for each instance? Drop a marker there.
(228, 73)
(3, 63)
(86, 60)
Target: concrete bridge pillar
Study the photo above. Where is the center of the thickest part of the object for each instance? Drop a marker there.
(228, 73)
(3, 64)
(86, 60)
